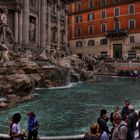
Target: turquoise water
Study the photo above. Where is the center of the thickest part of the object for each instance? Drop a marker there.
(71, 111)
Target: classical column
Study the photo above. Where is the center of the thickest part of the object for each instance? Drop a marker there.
(16, 26)
(73, 22)
(73, 28)
(49, 24)
(43, 24)
(20, 27)
(66, 27)
(25, 22)
(58, 27)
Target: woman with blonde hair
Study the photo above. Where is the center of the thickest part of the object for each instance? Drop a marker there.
(93, 133)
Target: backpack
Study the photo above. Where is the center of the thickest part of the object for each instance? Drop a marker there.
(129, 132)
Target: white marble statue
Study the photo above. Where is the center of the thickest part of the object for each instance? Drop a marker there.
(32, 30)
(5, 31)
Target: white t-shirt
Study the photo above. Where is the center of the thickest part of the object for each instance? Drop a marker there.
(16, 130)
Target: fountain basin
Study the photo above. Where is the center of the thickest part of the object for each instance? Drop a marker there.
(70, 111)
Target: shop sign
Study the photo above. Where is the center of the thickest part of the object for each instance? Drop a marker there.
(135, 48)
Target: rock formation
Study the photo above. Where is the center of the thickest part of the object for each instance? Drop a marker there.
(22, 70)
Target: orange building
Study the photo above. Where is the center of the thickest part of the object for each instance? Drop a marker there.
(105, 28)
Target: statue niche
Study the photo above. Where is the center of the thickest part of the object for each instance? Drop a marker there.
(32, 29)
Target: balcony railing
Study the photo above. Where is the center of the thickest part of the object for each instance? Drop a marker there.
(117, 33)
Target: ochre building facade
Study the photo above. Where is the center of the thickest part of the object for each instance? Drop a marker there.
(38, 23)
(108, 29)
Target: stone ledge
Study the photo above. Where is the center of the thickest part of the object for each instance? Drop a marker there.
(74, 137)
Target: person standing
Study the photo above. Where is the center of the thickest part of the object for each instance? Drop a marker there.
(139, 123)
(15, 130)
(32, 126)
(120, 127)
(103, 127)
(116, 110)
(125, 110)
(132, 120)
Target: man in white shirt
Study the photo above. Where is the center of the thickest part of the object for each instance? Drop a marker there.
(120, 129)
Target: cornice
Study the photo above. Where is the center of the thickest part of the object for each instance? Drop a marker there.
(71, 1)
(102, 7)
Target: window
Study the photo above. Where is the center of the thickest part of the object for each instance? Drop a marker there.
(90, 17)
(53, 8)
(91, 4)
(131, 54)
(32, 2)
(103, 14)
(90, 29)
(104, 55)
(103, 2)
(132, 39)
(62, 36)
(78, 19)
(54, 36)
(131, 9)
(116, 12)
(79, 44)
(91, 43)
(78, 31)
(116, 1)
(103, 42)
(132, 24)
(103, 27)
(79, 6)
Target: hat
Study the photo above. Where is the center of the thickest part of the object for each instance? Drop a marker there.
(31, 114)
(130, 107)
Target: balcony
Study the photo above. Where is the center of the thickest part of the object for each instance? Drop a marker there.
(118, 34)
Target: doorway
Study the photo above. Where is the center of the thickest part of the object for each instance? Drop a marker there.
(117, 51)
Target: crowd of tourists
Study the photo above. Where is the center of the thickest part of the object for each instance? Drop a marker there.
(124, 125)
(32, 127)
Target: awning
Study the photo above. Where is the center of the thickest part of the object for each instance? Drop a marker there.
(128, 68)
